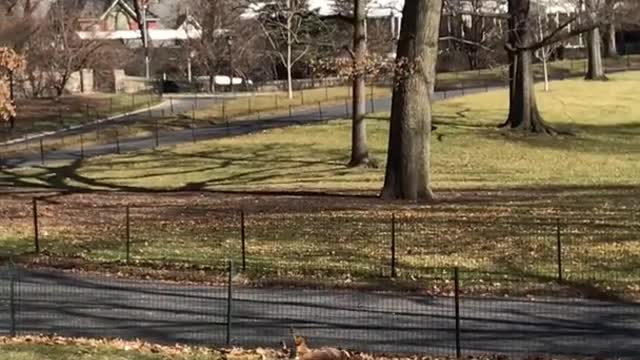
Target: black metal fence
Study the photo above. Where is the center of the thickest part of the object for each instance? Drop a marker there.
(337, 245)
(46, 302)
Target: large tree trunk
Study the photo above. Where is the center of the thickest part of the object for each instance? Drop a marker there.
(407, 174)
(523, 108)
(359, 149)
(595, 67)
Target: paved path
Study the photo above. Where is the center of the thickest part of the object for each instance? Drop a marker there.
(298, 117)
(53, 302)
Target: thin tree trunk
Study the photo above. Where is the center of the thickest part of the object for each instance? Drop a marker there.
(359, 149)
(611, 44)
(545, 69)
(289, 65)
(407, 174)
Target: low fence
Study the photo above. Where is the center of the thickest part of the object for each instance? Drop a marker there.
(359, 245)
(46, 302)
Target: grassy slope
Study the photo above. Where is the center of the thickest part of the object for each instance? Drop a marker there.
(473, 152)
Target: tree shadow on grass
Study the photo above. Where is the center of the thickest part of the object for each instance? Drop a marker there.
(208, 169)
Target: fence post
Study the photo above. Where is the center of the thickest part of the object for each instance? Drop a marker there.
(41, 152)
(326, 93)
(457, 306)
(371, 101)
(156, 133)
(243, 238)
(133, 100)
(81, 146)
(320, 109)
(249, 110)
(128, 234)
(193, 130)
(559, 248)
(346, 108)
(393, 245)
(110, 105)
(149, 109)
(12, 298)
(276, 101)
(36, 235)
(229, 302)
(224, 112)
(302, 95)
(117, 142)
(290, 115)
(171, 104)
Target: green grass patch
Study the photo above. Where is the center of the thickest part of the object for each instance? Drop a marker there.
(473, 152)
(55, 348)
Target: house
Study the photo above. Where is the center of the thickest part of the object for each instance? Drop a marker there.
(118, 22)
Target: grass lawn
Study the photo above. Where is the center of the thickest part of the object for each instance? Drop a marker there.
(85, 349)
(557, 70)
(495, 186)
(472, 153)
(279, 102)
(45, 114)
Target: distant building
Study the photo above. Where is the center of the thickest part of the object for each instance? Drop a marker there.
(118, 22)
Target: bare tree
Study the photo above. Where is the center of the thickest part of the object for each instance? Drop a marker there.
(220, 21)
(407, 174)
(524, 114)
(285, 25)
(473, 36)
(544, 53)
(141, 7)
(55, 51)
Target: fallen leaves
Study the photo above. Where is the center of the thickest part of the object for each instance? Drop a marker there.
(185, 352)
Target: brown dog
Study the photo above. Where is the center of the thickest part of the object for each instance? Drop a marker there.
(327, 353)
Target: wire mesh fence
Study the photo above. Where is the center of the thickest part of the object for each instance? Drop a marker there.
(228, 314)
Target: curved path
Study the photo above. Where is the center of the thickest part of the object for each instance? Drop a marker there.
(183, 104)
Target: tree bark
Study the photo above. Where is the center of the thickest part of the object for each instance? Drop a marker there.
(595, 67)
(289, 65)
(524, 114)
(611, 44)
(359, 148)
(407, 174)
